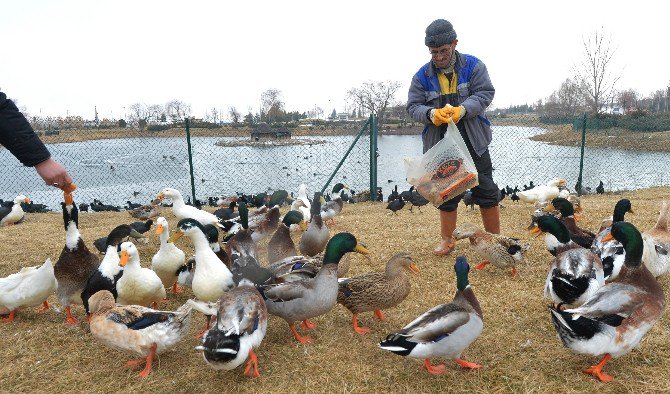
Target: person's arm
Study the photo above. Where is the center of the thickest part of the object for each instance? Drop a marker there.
(18, 137)
(416, 102)
(481, 92)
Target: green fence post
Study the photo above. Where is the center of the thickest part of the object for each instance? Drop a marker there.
(581, 158)
(360, 133)
(373, 157)
(190, 157)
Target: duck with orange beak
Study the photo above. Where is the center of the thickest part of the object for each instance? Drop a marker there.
(169, 258)
(137, 286)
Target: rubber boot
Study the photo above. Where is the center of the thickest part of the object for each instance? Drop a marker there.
(447, 226)
(491, 219)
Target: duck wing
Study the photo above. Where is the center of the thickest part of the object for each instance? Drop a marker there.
(438, 322)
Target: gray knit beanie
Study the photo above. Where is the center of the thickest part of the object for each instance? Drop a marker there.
(439, 32)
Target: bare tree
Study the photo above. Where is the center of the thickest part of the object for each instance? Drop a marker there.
(629, 99)
(375, 97)
(565, 101)
(154, 112)
(234, 114)
(272, 104)
(138, 114)
(177, 110)
(594, 72)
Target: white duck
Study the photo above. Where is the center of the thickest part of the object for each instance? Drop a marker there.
(169, 258)
(29, 287)
(656, 254)
(302, 203)
(211, 278)
(145, 331)
(541, 193)
(183, 211)
(13, 215)
(241, 323)
(137, 286)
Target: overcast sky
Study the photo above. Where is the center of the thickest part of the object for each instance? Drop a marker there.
(69, 56)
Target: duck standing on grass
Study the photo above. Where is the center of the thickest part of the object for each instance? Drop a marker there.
(308, 298)
(613, 320)
(138, 285)
(496, 249)
(109, 271)
(582, 237)
(611, 253)
(281, 244)
(656, 255)
(375, 291)
(444, 331)
(333, 207)
(29, 287)
(75, 263)
(138, 329)
(315, 238)
(169, 258)
(241, 323)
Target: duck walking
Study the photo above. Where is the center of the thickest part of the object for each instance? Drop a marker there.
(144, 331)
(614, 320)
(445, 330)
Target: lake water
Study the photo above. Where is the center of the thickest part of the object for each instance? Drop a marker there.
(115, 170)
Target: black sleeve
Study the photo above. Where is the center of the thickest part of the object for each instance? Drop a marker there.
(18, 136)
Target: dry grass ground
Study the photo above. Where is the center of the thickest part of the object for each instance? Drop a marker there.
(611, 138)
(518, 347)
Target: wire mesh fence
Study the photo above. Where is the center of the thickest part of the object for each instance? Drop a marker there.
(116, 165)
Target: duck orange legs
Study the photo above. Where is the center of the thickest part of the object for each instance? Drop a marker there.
(298, 337)
(360, 330)
(251, 369)
(9, 318)
(70, 319)
(434, 369)
(148, 360)
(467, 364)
(483, 264)
(308, 325)
(378, 314)
(176, 289)
(45, 307)
(597, 370)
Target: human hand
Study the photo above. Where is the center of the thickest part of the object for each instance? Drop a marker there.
(455, 113)
(54, 174)
(441, 115)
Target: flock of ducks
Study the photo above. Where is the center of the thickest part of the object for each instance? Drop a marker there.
(602, 285)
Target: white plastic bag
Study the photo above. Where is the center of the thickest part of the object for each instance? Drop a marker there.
(445, 170)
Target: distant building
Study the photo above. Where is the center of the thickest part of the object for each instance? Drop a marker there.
(263, 131)
(612, 109)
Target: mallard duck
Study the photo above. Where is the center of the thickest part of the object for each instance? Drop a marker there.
(281, 244)
(656, 255)
(445, 330)
(581, 236)
(375, 291)
(557, 237)
(543, 193)
(15, 214)
(576, 273)
(314, 239)
(241, 323)
(227, 213)
(137, 285)
(333, 207)
(109, 271)
(211, 278)
(29, 287)
(611, 252)
(182, 211)
(168, 259)
(614, 319)
(138, 329)
(496, 249)
(308, 298)
(146, 212)
(75, 263)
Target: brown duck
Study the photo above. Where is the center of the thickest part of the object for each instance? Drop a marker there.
(375, 291)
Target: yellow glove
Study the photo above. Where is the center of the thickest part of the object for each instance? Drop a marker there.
(441, 116)
(456, 113)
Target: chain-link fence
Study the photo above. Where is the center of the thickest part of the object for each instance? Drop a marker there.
(116, 165)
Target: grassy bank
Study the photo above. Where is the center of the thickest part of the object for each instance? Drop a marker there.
(518, 347)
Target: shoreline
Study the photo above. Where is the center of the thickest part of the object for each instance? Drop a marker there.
(562, 135)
